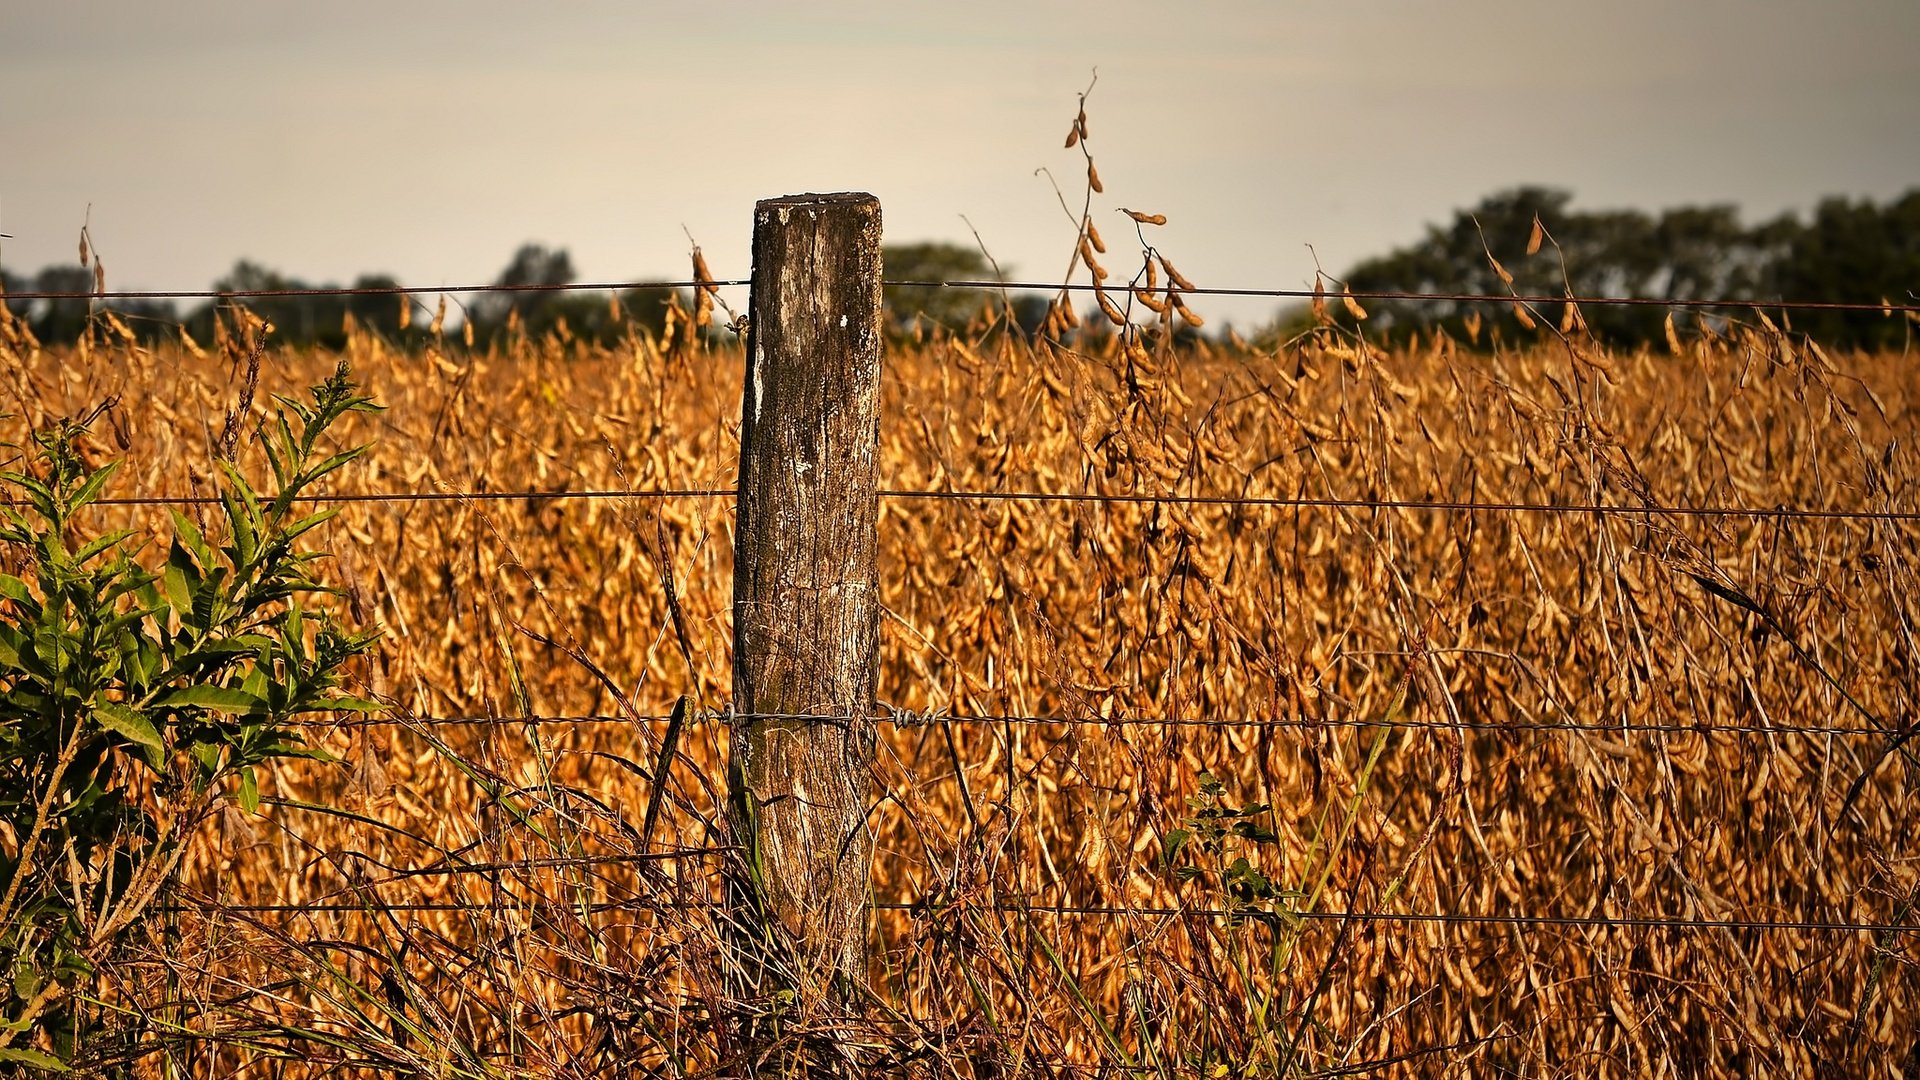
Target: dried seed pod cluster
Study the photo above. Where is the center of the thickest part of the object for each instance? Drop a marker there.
(1156, 287)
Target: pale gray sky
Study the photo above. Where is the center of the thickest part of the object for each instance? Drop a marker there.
(429, 139)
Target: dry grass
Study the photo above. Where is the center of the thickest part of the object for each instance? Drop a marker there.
(554, 951)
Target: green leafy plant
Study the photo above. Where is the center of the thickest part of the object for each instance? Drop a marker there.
(133, 699)
(1227, 852)
(1220, 837)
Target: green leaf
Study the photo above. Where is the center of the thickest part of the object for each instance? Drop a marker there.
(34, 1059)
(40, 494)
(249, 791)
(178, 588)
(1176, 839)
(300, 750)
(188, 534)
(12, 588)
(333, 463)
(91, 488)
(1259, 834)
(208, 755)
(26, 981)
(133, 727)
(101, 544)
(310, 521)
(220, 652)
(217, 698)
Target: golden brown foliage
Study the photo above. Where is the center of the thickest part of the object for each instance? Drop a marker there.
(1529, 650)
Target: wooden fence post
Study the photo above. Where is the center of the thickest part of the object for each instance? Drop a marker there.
(806, 610)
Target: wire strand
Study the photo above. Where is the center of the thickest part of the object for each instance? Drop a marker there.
(903, 719)
(1646, 922)
(430, 497)
(1276, 502)
(361, 290)
(1881, 307)
(1452, 297)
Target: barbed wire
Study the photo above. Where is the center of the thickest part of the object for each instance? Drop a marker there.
(943, 910)
(1284, 502)
(908, 719)
(362, 290)
(1647, 922)
(1274, 502)
(1866, 307)
(1452, 297)
(348, 498)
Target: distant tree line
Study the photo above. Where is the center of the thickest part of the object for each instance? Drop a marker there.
(1847, 250)
(322, 320)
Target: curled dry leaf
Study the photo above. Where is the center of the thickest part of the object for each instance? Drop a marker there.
(1320, 301)
(368, 779)
(238, 832)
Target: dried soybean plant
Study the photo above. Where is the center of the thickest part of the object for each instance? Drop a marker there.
(1156, 285)
(1204, 744)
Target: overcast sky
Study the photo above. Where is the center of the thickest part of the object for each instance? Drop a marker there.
(430, 139)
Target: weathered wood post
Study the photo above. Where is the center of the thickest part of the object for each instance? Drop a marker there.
(806, 610)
